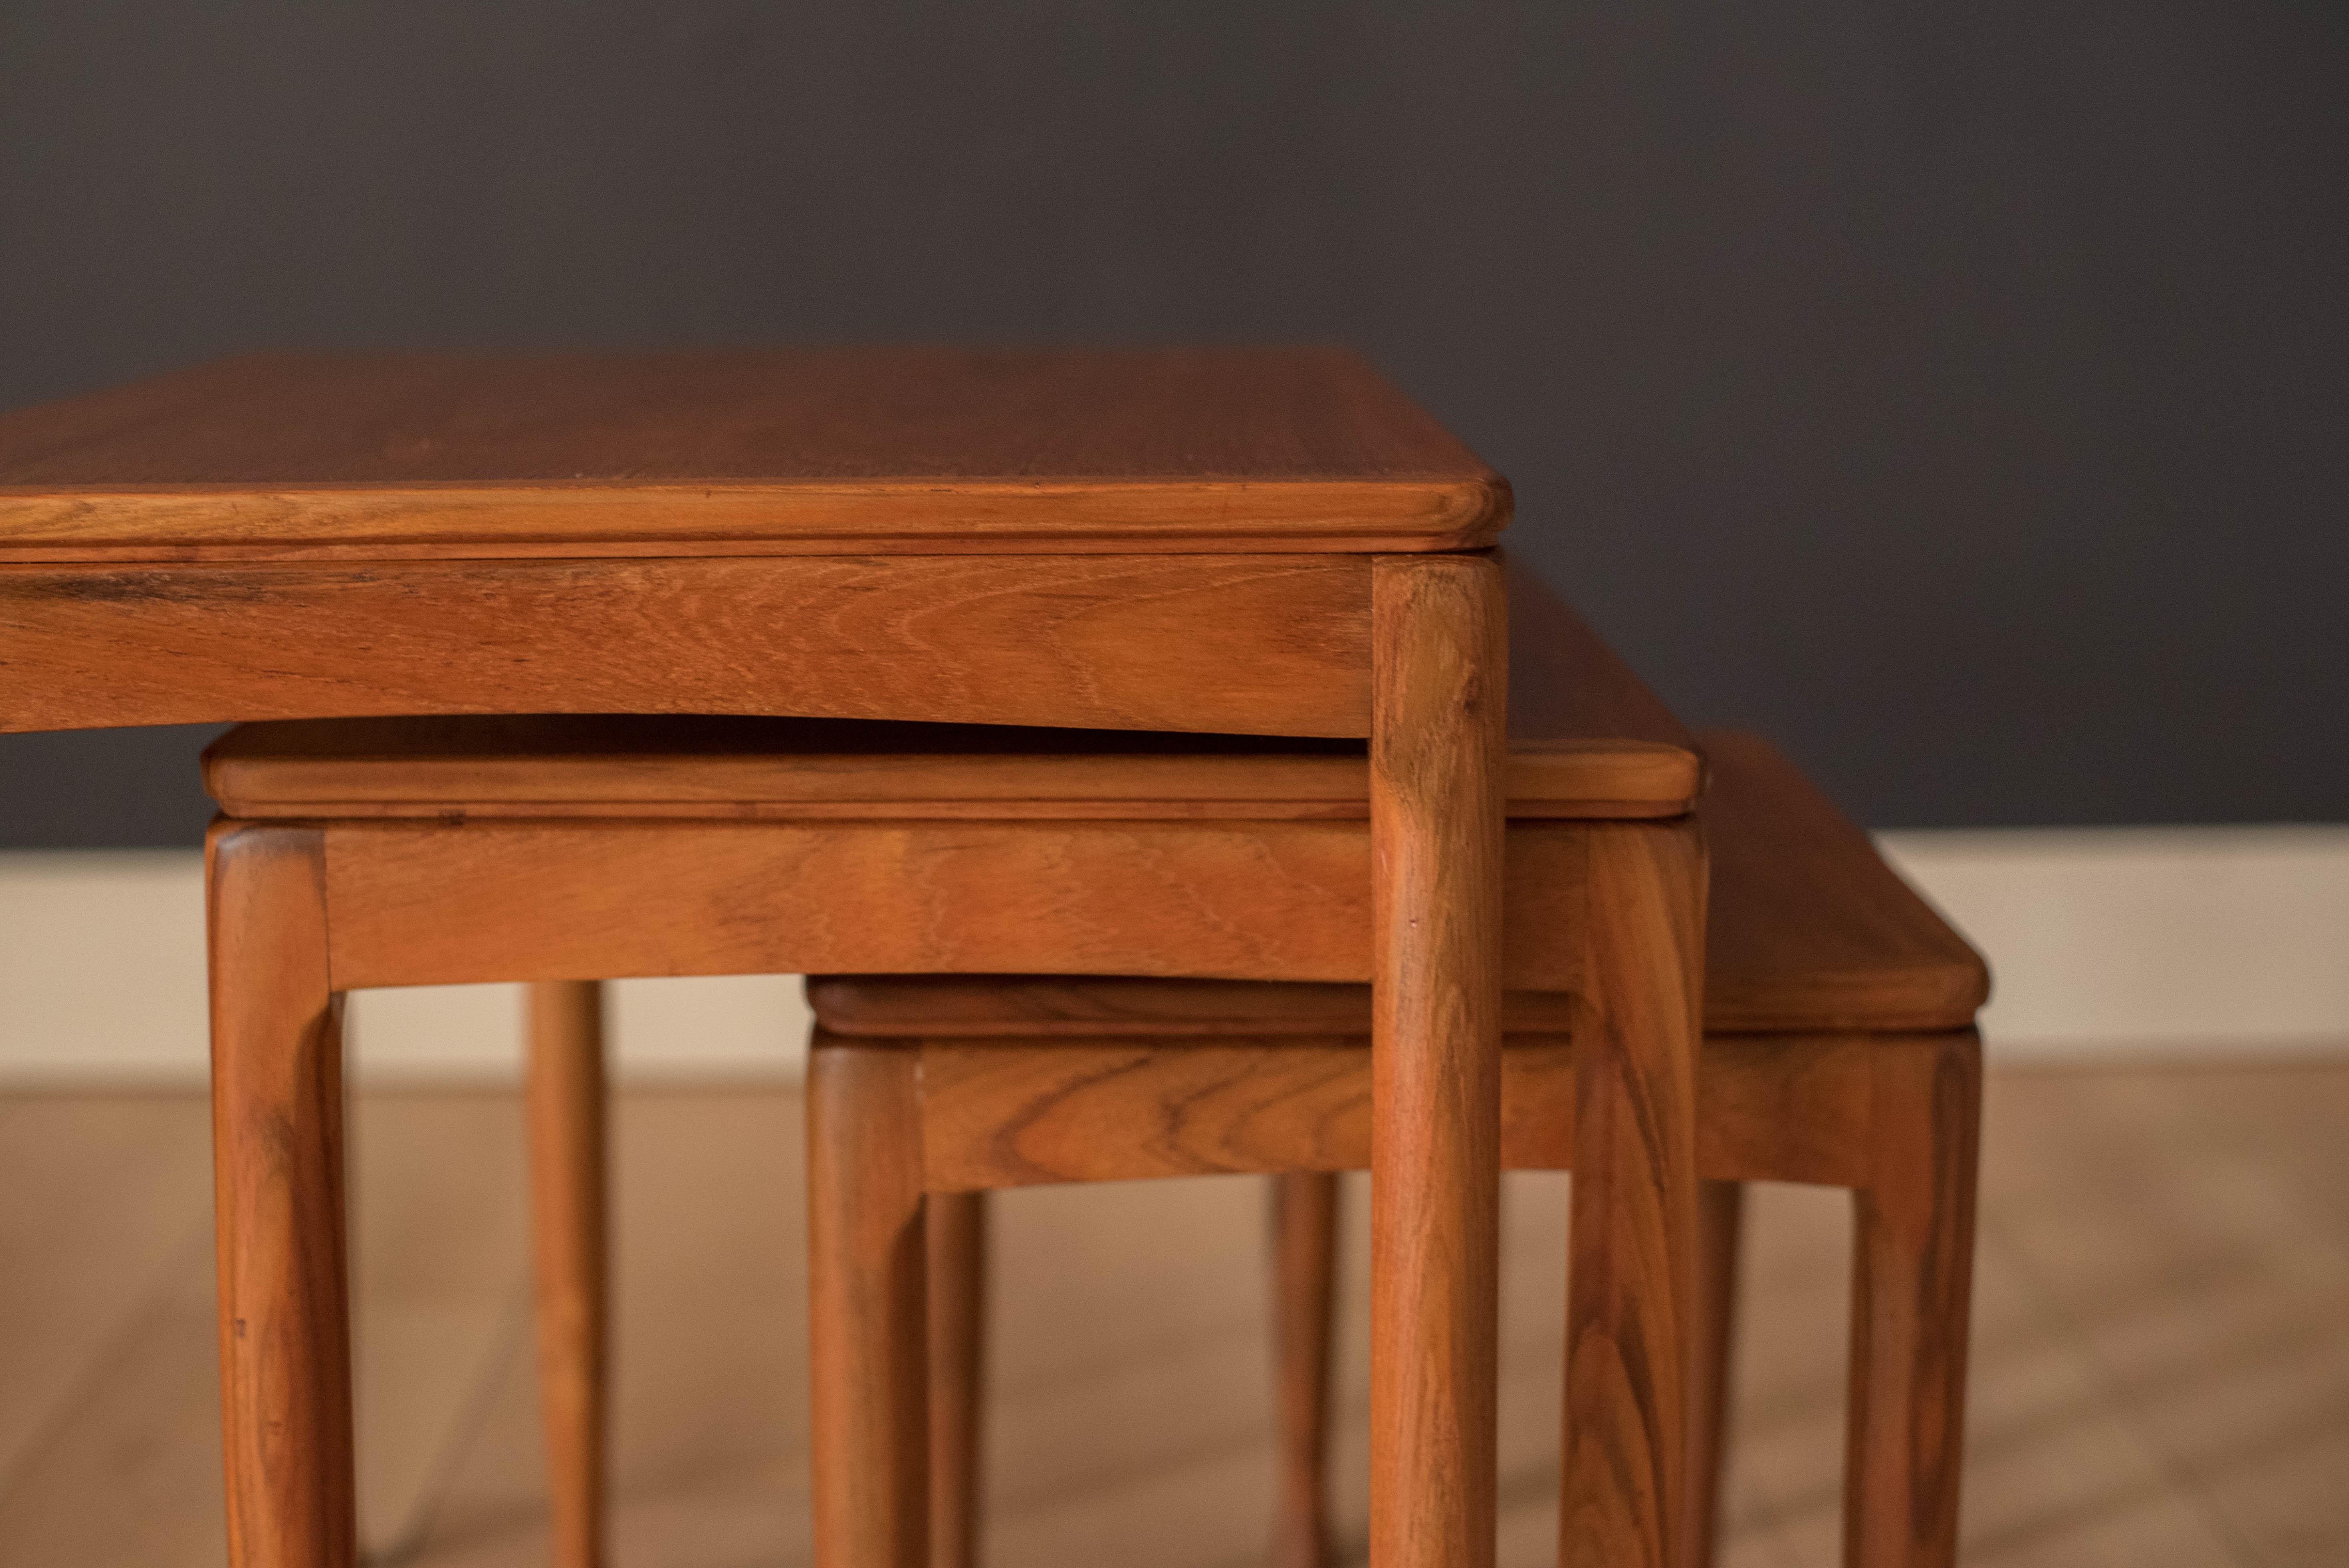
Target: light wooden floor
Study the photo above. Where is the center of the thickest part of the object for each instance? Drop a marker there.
(2161, 1341)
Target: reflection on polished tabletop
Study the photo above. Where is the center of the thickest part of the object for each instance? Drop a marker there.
(760, 451)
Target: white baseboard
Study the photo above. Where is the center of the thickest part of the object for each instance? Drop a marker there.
(2174, 939)
(2164, 940)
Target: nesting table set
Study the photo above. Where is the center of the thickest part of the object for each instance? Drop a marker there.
(1276, 698)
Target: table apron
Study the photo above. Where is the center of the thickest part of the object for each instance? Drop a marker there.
(1265, 645)
(1018, 1111)
(570, 900)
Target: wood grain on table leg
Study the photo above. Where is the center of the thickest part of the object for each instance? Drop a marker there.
(1633, 1270)
(1913, 1287)
(868, 1312)
(1304, 1270)
(277, 1143)
(956, 1227)
(1439, 691)
(567, 1154)
(1721, 1216)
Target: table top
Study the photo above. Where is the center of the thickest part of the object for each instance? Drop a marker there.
(770, 451)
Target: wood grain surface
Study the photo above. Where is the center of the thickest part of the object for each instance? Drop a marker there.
(277, 1164)
(867, 1311)
(819, 451)
(1009, 1113)
(955, 1228)
(1912, 1291)
(409, 776)
(1568, 689)
(1820, 932)
(571, 1258)
(1304, 1234)
(568, 901)
(1808, 930)
(789, 770)
(1588, 739)
(1631, 1275)
(1721, 1226)
(1438, 744)
(1253, 644)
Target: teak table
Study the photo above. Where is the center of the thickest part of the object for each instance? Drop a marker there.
(1246, 542)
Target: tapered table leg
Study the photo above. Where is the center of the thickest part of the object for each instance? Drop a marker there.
(957, 1227)
(567, 1154)
(1912, 1289)
(277, 1164)
(1632, 1273)
(1439, 678)
(868, 1308)
(1305, 1290)
(1720, 1223)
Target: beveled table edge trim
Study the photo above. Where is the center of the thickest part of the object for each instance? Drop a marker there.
(258, 520)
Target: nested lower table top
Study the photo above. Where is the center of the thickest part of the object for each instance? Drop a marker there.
(819, 451)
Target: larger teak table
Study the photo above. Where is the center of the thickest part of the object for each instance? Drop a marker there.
(1261, 542)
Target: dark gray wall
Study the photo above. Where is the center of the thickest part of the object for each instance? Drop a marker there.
(1956, 392)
